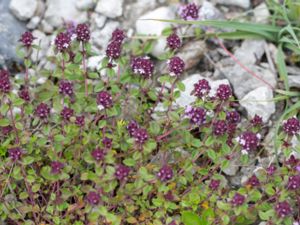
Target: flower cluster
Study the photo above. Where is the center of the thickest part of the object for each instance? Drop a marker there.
(122, 172)
(283, 209)
(202, 88)
(142, 66)
(62, 41)
(114, 48)
(249, 140)
(173, 41)
(176, 66)
(139, 134)
(224, 92)
(93, 198)
(165, 173)
(98, 154)
(291, 126)
(219, 127)
(83, 32)
(189, 11)
(27, 39)
(15, 153)
(66, 88)
(56, 167)
(5, 85)
(67, 113)
(104, 99)
(42, 111)
(196, 115)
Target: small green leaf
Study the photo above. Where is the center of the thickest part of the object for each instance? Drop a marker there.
(190, 218)
(28, 160)
(4, 122)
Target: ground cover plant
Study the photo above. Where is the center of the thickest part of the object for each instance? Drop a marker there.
(89, 147)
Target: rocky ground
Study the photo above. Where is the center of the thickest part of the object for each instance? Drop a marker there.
(203, 58)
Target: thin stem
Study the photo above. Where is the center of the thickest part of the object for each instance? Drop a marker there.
(13, 121)
(84, 70)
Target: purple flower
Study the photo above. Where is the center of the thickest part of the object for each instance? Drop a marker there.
(140, 135)
(93, 198)
(132, 127)
(15, 153)
(107, 142)
(169, 196)
(292, 160)
(104, 99)
(80, 121)
(6, 130)
(56, 167)
(283, 209)
(233, 117)
(4, 81)
(197, 115)
(253, 181)
(5, 85)
(27, 39)
(238, 199)
(42, 110)
(291, 126)
(142, 66)
(256, 120)
(165, 173)
(113, 50)
(294, 182)
(214, 184)
(201, 88)
(173, 223)
(249, 140)
(224, 92)
(98, 154)
(24, 94)
(219, 127)
(122, 172)
(176, 66)
(271, 169)
(173, 41)
(67, 113)
(62, 41)
(66, 88)
(189, 11)
(83, 33)
(118, 36)
(70, 28)
(4, 74)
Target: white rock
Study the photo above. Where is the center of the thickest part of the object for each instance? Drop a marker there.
(46, 27)
(135, 10)
(100, 38)
(33, 23)
(209, 12)
(186, 98)
(41, 40)
(294, 81)
(260, 102)
(233, 167)
(84, 4)
(241, 3)
(250, 51)
(59, 11)
(94, 62)
(111, 8)
(150, 27)
(23, 9)
(261, 13)
(243, 82)
(98, 20)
